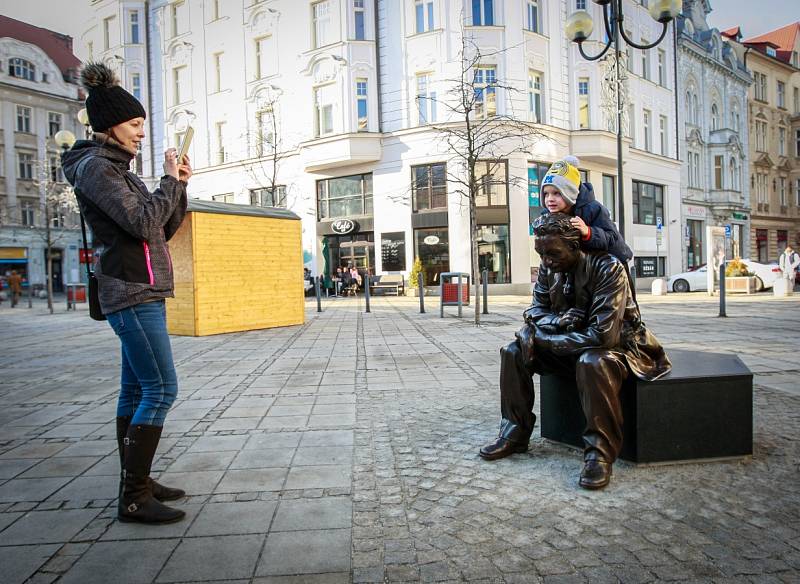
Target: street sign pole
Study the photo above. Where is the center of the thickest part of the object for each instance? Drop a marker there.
(659, 235)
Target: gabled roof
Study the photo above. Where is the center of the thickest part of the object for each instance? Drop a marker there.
(57, 46)
(782, 39)
(734, 33)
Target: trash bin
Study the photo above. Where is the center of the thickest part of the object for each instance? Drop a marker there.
(448, 291)
(76, 293)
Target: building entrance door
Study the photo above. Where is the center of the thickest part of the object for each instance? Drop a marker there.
(360, 254)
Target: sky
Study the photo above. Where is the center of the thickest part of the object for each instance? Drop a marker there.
(70, 16)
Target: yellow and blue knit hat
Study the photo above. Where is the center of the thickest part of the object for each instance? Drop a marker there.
(565, 176)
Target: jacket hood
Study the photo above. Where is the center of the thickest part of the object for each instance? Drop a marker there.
(83, 148)
(585, 195)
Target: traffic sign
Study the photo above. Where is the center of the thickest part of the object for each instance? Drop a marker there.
(659, 223)
(728, 231)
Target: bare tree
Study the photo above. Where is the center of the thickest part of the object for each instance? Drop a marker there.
(477, 131)
(57, 204)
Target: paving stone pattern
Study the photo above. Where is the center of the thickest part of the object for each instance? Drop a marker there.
(345, 450)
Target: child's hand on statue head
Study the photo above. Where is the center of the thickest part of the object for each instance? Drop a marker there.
(578, 223)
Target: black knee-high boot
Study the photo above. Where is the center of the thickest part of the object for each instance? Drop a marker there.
(160, 492)
(137, 503)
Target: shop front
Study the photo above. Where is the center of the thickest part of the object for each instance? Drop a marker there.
(16, 259)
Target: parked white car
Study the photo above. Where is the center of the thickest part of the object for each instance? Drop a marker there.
(696, 280)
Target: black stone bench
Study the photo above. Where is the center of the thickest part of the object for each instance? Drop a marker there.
(703, 409)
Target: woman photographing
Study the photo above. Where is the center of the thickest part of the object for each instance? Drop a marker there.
(134, 272)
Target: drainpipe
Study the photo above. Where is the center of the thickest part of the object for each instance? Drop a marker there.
(675, 70)
(148, 61)
(377, 66)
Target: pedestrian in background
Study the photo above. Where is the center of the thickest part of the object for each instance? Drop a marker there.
(788, 262)
(14, 287)
(134, 273)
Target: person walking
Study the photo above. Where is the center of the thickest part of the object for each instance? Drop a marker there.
(788, 262)
(134, 274)
(14, 287)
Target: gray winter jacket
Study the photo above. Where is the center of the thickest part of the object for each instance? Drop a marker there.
(130, 224)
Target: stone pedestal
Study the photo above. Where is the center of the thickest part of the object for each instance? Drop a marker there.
(658, 287)
(782, 287)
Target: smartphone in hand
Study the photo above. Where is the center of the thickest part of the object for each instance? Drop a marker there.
(183, 147)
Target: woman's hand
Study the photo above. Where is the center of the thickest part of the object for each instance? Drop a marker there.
(185, 169)
(171, 162)
(578, 223)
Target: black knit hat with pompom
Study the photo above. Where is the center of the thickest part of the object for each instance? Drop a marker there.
(108, 103)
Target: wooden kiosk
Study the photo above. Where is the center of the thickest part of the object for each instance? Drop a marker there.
(237, 268)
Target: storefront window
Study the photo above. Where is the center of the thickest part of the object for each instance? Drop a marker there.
(494, 253)
(344, 196)
(492, 179)
(429, 187)
(432, 247)
(393, 252)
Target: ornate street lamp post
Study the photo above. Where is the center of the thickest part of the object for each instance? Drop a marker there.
(579, 27)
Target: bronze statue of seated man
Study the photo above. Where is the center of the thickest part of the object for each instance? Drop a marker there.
(584, 322)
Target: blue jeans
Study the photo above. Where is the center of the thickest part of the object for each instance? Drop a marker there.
(148, 383)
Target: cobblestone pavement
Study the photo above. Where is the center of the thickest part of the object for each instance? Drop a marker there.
(345, 450)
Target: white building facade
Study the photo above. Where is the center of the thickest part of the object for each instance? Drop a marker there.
(38, 98)
(347, 97)
(712, 93)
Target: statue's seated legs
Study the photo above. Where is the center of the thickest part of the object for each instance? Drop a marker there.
(599, 374)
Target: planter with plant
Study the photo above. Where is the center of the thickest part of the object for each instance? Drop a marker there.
(739, 279)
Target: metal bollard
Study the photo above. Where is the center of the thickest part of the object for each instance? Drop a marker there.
(485, 277)
(722, 290)
(366, 290)
(460, 298)
(317, 292)
(420, 284)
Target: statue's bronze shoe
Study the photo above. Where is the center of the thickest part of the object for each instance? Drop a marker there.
(501, 448)
(596, 474)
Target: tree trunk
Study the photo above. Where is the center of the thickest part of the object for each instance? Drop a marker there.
(473, 229)
(49, 263)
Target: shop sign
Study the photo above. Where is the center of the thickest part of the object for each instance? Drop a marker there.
(13, 253)
(86, 255)
(431, 240)
(739, 216)
(693, 211)
(343, 226)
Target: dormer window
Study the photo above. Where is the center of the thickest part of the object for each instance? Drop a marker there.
(21, 69)
(771, 52)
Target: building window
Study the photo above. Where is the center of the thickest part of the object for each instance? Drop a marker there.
(25, 168)
(223, 198)
(59, 219)
(782, 141)
(648, 133)
(761, 188)
(323, 105)
(662, 132)
(28, 214)
(761, 135)
(358, 14)
(645, 60)
(220, 135)
(714, 117)
(179, 88)
(760, 83)
(136, 86)
(796, 92)
(322, 20)
(693, 173)
(265, 132)
(269, 197)
(423, 10)
(263, 49)
(24, 119)
(216, 63)
(133, 23)
(662, 67)
(718, 172)
(482, 12)
(535, 96)
(609, 194)
(361, 104)
(345, 196)
(734, 178)
(781, 94)
(178, 17)
(485, 87)
(56, 175)
(532, 18)
(580, 4)
(492, 179)
(429, 187)
(762, 245)
(426, 99)
(393, 251)
(108, 23)
(797, 143)
(782, 191)
(797, 192)
(736, 119)
(583, 102)
(21, 69)
(648, 202)
(494, 253)
(54, 121)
